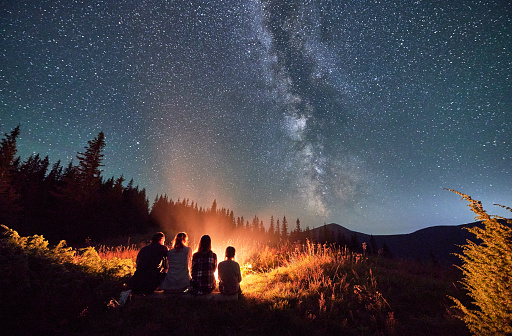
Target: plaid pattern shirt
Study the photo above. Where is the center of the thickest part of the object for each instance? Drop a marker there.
(203, 268)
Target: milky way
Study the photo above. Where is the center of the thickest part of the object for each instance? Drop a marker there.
(354, 112)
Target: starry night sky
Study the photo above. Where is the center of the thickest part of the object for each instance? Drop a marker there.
(354, 112)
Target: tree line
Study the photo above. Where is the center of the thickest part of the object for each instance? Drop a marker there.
(76, 203)
(71, 202)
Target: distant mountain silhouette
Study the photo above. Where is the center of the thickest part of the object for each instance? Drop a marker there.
(437, 243)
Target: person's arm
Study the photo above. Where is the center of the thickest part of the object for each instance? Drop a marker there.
(165, 264)
(239, 274)
(195, 266)
(164, 259)
(140, 258)
(189, 260)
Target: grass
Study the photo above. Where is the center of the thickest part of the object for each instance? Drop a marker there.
(120, 252)
(329, 288)
(418, 295)
(290, 289)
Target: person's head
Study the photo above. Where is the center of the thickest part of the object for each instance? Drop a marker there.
(180, 240)
(230, 252)
(158, 237)
(205, 244)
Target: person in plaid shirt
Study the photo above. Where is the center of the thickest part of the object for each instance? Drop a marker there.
(204, 264)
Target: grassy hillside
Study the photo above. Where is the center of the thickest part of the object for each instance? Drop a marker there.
(291, 289)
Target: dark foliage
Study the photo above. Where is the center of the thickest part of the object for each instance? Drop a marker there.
(8, 195)
(77, 204)
(73, 203)
(44, 293)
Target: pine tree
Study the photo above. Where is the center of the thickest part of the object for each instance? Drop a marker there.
(296, 234)
(8, 152)
(8, 194)
(284, 228)
(213, 209)
(231, 220)
(55, 175)
(487, 274)
(29, 183)
(255, 224)
(89, 173)
(79, 215)
(271, 228)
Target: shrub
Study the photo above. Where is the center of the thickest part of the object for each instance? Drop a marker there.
(487, 274)
(53, 288)
(116, 267)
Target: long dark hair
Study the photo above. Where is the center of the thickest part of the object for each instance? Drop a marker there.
(179, 241)
(205, 244)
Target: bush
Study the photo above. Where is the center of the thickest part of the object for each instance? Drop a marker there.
(487, 274)
(53, 288)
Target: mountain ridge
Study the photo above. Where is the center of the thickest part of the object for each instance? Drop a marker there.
(438, 243)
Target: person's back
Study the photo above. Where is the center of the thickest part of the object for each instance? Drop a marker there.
(178, 258)
(151, 266)
(150, 258)
(204, 264)
(178, 276)
(229, 273)
(229, 277)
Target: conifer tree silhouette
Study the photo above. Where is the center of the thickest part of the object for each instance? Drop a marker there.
(8, 194)
(78, 214)
(284, 228)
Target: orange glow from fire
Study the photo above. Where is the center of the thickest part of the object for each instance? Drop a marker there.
(244, 250)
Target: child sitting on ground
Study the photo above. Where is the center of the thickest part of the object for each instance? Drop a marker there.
(229, 273)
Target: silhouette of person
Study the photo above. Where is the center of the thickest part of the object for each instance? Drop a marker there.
(178, 260)
(204, 264)
(151, 266)
(229, 273)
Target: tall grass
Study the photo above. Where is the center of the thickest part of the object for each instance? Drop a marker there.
(119, 252)
(319, 283)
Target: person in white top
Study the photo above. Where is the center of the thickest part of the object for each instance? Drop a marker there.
(178, 272)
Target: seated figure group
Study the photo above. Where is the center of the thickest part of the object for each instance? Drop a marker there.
(177, 270)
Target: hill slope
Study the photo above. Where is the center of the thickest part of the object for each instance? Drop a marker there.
(437, 243)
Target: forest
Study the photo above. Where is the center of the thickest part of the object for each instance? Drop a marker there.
(75, 202)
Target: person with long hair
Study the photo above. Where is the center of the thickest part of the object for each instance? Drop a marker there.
(178, 259)
(204, 264)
